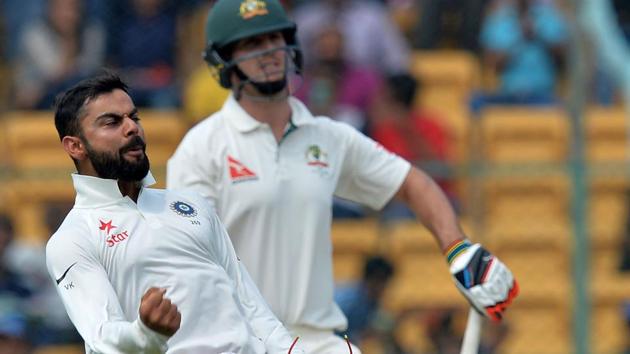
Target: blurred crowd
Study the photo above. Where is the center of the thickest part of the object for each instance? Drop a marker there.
(357, 70)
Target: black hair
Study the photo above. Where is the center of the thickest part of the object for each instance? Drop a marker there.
(69, 105)
(377, 267)
(403, 88)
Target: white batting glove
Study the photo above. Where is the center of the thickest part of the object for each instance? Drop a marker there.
(482, 278)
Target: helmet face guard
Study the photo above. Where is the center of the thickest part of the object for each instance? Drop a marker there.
(230, 21)
(222, 65)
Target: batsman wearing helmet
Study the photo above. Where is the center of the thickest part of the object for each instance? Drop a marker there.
(271, 169)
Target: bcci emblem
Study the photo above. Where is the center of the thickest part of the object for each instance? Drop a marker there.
(252, 8)
(316, 157)
(183, 209)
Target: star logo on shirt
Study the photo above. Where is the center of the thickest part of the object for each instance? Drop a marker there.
(106, 226)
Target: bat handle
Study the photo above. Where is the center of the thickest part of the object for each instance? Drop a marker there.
(470, 344)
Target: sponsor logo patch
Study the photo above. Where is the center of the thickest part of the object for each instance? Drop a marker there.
(106, 226)
(115, 237)
(238, 171)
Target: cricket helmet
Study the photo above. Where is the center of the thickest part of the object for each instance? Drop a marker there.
(230, 21)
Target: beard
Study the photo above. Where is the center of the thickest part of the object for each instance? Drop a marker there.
(115, 166)
(270, 87)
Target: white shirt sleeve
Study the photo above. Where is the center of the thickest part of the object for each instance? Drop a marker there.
(266, 325)
(370, 174)
(187, 170)
(92, 304)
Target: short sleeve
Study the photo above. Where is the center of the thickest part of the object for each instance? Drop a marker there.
(370, 174)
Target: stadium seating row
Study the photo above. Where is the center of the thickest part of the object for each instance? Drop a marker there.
(540, 321)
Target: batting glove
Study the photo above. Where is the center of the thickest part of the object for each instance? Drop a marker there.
(482, 278)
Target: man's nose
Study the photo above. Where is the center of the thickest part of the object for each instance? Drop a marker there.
(131, 126)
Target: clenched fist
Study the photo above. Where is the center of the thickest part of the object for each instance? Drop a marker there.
(482, 278)
(158, 313)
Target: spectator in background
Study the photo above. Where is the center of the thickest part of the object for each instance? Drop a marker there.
(13, 297)
(10, 284)
(361, 301)
(143, 49)
(622, 9)
(335, 88)
(13, 332)
(605, 87)
(49, 321)
(441, 332)
(523, 42)
(416, 135)
(446, 337)
(15, 15)
(57, 52)
(459, 18)
(371, 38)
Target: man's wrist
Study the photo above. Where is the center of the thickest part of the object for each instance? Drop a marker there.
(455, 249)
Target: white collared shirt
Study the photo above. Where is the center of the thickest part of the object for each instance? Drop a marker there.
(275, 198)
(110, 250)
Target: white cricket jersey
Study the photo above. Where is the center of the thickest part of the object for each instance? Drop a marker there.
(276, 198)
(110, 250)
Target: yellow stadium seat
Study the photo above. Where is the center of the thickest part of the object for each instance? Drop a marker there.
(538, 329)
(4, 154)
(609, 330)
(608, 284)
(202, 95)
(606, 131)
(447, 78)
(41, 171)
(411, 236)
(164, 131)
(33, 143)
(608, 210)
(421, 280)
(543, 276)
(453, 115)
(353, 241)
(26, 203)
(457, 69)
(516, 134)
(526, 211)
(351, 236)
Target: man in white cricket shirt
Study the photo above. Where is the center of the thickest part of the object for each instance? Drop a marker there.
(271, 170)
(144, 270)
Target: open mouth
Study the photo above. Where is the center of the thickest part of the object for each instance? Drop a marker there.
(136, 151)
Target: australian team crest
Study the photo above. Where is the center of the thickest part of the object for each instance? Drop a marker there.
(315, 156)
(252, 8)
(183, 209)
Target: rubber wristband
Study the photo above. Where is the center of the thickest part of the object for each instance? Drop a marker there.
(455, 249)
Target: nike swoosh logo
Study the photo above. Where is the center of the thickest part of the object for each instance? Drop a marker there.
(64, 273)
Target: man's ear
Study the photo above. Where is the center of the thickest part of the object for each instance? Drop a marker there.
(74, 147)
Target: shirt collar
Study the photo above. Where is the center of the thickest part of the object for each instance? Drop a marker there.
(95, 191)
(244, 122)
